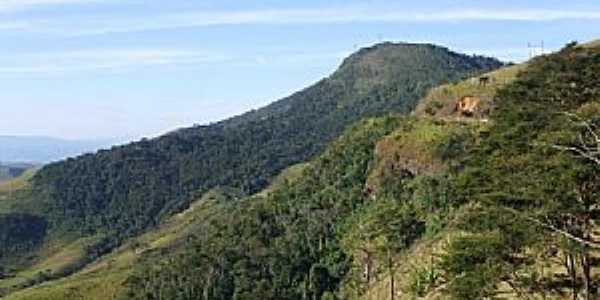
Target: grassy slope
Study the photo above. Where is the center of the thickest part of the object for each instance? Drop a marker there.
(55, 259)
(8, 187)
(56, 256)
(104, 278)
(289, 175)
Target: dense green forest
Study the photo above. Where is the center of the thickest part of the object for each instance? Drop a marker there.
(267, 247)
(298, 242)
(130, 188)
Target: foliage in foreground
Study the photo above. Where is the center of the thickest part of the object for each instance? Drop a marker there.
(537, 194)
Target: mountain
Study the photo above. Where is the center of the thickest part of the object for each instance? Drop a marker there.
(498, 203)
(499, 199)
(97, 201)
(41, 149)
(443, 204)
(132, 187)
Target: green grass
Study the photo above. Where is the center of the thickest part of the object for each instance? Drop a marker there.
(84, 287)
(11, 191)
(288, 176)
(8, 187)
(54, 260)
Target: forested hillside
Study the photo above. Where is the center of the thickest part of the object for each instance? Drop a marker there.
(298, 243)
(131, 187)
(438, 208)
(118, 193)
(41, 149)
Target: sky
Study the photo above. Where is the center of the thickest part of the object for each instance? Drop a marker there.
(106, 69)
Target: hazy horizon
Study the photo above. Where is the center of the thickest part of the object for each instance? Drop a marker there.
(100, 69)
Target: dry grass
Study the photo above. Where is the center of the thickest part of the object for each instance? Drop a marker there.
(426, 252)
(54, 259)
(440, 102)
(423, 254)
(592, 44)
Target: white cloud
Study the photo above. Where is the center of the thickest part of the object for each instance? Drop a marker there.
(103, 59)
(511, 54)
(91, 25)
(14, 25)
(16, 5)
(291, 59)
(53, 63)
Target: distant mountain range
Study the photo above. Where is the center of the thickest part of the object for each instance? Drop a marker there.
(12, 170)
(42, 149)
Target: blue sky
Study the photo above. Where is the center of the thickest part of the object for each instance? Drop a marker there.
(95, 69)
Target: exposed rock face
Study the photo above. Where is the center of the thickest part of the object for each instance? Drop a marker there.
(408, 152)
(468, 106)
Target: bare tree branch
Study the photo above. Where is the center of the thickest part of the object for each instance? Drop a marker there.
(548, 226)
(582, 153)
(586, 150)
(588, 125)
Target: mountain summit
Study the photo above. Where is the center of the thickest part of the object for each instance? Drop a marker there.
(132, 187)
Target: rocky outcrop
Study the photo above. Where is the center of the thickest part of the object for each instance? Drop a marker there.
(468, 106)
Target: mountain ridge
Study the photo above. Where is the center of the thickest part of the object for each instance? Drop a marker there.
(114, 194)
(308, 119)
(45, 149)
